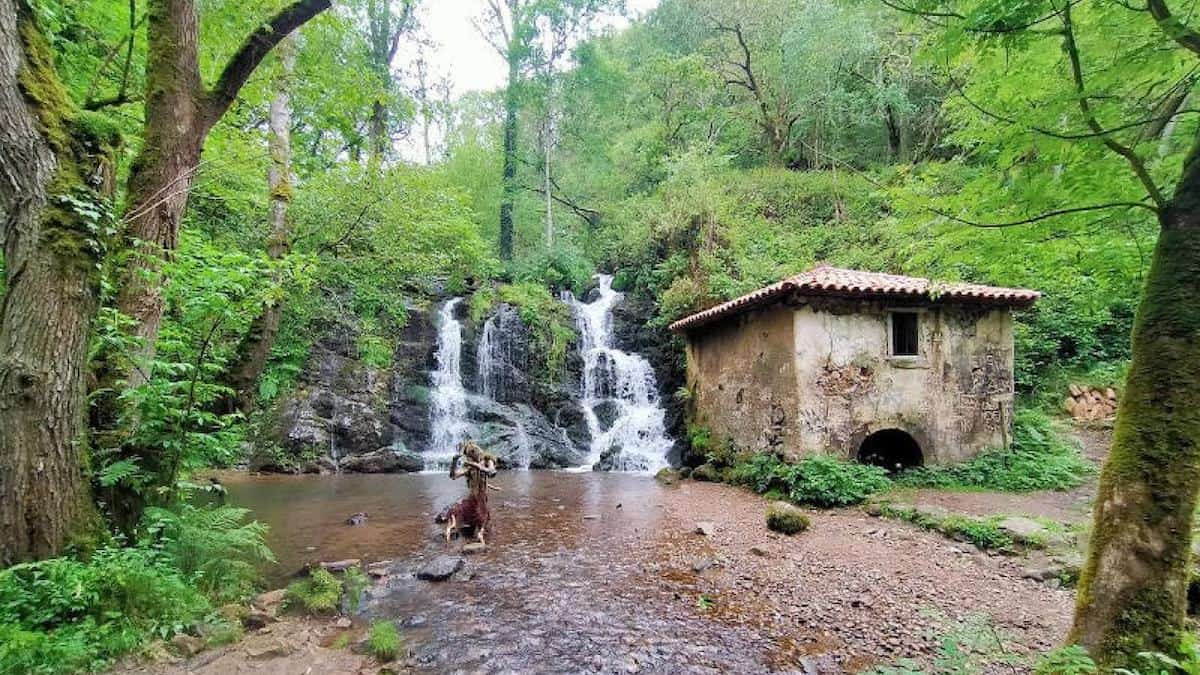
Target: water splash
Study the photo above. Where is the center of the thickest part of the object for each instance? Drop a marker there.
(623, 386)
(448, 399)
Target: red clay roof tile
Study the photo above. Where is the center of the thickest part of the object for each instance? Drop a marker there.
(826, 280)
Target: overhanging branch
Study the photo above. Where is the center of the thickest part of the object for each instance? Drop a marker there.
(254, 49)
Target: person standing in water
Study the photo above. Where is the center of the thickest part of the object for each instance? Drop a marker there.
(470, 512)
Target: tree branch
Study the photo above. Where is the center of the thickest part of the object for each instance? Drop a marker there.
(254, 49)
(1130, 155)
(1174, 28)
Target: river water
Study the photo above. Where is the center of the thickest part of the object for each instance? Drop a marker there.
(569, 583)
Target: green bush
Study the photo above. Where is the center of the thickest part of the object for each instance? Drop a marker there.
(384, 640)
(318, 594)
(785, 518)
(818, 480)
(65, 615)
(1040, 459)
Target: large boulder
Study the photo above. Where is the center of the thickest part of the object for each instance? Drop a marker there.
(384, 460)
(521, 436)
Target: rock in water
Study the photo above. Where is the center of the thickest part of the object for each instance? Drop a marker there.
(440, 568)
(357, 519)
(706, 528)
(474, 547)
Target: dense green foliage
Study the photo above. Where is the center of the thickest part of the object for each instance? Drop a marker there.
(818, 480)
(320, 593)
(72, 614)
(384, 641)
(1039, 459)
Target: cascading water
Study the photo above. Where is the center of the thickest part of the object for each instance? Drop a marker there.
(495, 357)
(623, 385)
(448, 400)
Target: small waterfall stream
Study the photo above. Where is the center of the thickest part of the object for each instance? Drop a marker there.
(496, 356)
(619, 387)
(448, 399)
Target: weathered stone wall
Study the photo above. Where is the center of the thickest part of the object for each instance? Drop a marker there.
(815, 375)
(955, 398)
(742, 379)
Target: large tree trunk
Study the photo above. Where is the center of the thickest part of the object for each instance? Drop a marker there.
(173, 131)
(256, 348)
(1133, 589)
(48, 151)
(511, 109)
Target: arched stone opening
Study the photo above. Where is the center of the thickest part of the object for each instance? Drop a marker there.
(892, 449)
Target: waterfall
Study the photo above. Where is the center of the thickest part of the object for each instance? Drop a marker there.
(622, 387)
(448, 400)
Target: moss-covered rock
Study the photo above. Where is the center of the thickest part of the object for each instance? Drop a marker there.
(787, 519)
(667, 476)
(706, 472)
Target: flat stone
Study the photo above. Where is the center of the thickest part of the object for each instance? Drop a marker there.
(760, 551)
(271, 600)
(706, 528)
(379, 569)
(187, 645)
(341, 565)
(343, 622)
(703, 564)
(591, 516)
(266, 646)
(474, 547)
(440, 568)
(1023, 528)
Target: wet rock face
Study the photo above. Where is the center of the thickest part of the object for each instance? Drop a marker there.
(346, 415)
(522, 437)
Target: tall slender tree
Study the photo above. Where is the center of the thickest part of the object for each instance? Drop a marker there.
(256, 347)
(56, 181)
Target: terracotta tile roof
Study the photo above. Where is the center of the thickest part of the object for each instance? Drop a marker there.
(826, 280)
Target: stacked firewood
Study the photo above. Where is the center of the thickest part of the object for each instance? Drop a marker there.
(1091, 403)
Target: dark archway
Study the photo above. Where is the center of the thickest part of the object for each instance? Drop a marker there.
(892, 449)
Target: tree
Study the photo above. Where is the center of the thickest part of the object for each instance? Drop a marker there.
(179, 113)
(512, 28)
(385, 26)
(1077, 136)
(57, 168)
(256, 347)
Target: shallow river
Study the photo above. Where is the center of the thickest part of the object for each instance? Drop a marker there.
(569, 582)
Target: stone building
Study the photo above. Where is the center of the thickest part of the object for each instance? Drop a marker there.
(886, 369)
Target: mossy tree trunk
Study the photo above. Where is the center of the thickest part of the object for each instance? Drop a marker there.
(256, 348)
(512, 108)
(1133, 590)
(56, 181)
(179, 113)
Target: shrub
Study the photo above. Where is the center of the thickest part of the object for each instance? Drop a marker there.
(1040, 459)
(65, 615)
(355, 583)
(384, 640)
(318, 594)
(825, 481)
(785, 518)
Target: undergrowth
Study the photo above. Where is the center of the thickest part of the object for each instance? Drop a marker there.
(817, 480)
(984, 533)
(1039, 459)
(318, 594)
(384, 641)
(78, 614)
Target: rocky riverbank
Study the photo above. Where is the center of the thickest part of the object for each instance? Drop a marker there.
(618, 574)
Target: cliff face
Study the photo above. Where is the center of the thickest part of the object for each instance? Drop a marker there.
(345, 415)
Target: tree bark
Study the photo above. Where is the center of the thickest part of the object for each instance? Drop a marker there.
(179, 113)
(53, 158)
(256, 348)
(1133, 589)
(509, 187)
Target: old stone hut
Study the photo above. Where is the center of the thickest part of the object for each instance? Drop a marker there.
(892, 370)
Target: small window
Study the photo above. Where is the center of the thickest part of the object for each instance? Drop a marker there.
(904, 334)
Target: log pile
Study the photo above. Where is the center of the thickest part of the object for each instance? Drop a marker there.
(1091, 404)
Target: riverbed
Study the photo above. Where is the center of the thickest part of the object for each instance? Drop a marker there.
(601, 572)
